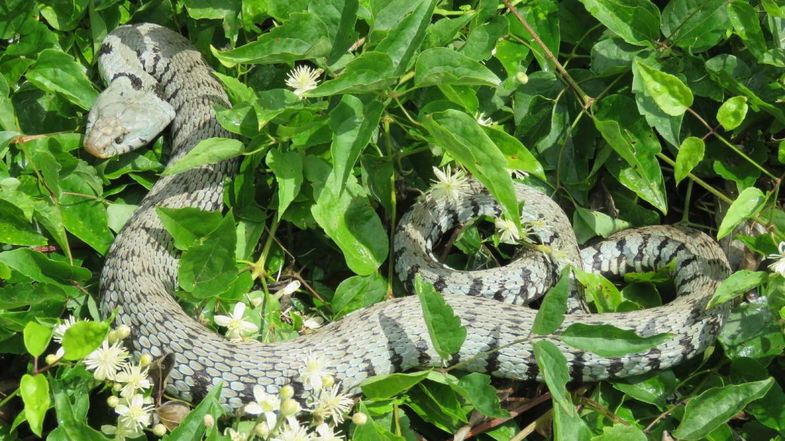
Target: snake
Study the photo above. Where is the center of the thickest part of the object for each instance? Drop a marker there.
(156, 78)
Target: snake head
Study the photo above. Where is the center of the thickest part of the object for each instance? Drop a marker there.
(124, 118)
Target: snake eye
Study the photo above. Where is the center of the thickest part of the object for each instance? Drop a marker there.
(118, 140)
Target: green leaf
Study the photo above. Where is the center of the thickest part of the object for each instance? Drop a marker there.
(716, 406)
(189, 224)
(482, 395)
(600, 290)
(544, 18)
(40, 268)
(668, 91)
(690, 155)
(554, 305)
(404, 40)
(737, 283)
(57, 72)
(635, 21)
(620, 432)
(608, 340)
(746, 25)
(36, 338)
(71, 417)
(568, 425)
(440, 66)
(387, 386)
(192, 427)
(358, 292)
(518, 156)
(207, 151)
(444, 327)
(752, 332)
(349, 220)
(695, 25)
(84, 214)
(369, 72)
(590, 223)
(82, 338)
(208, 266)
(732, 112)
(288, 170)
(746, 205)
(35, 395)
(303, 36)
(15, 228)
(465, 140)
(655, 389)
(352, 123)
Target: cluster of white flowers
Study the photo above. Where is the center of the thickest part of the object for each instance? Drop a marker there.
(449, 185)
(112, 363)
(279, 417)
(303, 79)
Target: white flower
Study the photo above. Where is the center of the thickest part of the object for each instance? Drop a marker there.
(134, 412)
(449, 185)
(235, 324)
(265, 404)
(327, 433)
(293, 431)
(483, 120)
(106, 360)
(59, 330)
(235, 435)
(303, 79)
(134, 378)
(779, 264)
(332, 404)
(508, 231)
(313, 371)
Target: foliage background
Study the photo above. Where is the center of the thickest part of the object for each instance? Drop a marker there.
(628, 112)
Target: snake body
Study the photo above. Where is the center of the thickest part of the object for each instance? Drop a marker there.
(152, 71)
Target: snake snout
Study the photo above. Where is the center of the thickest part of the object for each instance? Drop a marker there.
(101, 138)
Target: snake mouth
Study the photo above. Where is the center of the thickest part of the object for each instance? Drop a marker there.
(92, 147)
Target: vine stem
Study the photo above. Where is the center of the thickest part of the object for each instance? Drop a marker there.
(586, 100)
(698, 180)
(728, 144)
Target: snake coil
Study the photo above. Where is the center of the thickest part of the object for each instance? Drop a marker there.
(155, 77)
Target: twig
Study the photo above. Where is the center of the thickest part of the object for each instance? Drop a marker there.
(513, 413)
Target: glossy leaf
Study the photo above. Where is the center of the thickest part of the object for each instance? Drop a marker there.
(732, 112)
(690, 155)
(208, 266)
(668, 91)
(189, 224)
(695, 25)
(207, 151)
(609, 341)
(36, 338)
(82, 338)
(288, 170)
(358, 292)
(444, 327)
(34, 390)
(745, 206)
(714, 407)
(193, 427)
(445, 66)
(369, 72)
(554, 305)
(635, 21)
(736, 284)
(57, 72)
(388, 386)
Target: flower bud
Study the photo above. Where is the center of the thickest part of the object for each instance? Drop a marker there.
(159, 430)
(286, 392)
(145, 359)
(51, 359)
(112, 401)
(522, 77)
(112, 336)
(123, 331)
(289, 407)
(209, 421)
(359, 418)
(262, 429)
(256, 301)
(117, 387)
(327, 381)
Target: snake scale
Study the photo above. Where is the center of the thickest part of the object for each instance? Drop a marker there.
(155, 76)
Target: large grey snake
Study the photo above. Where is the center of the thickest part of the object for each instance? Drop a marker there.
(154, 72)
